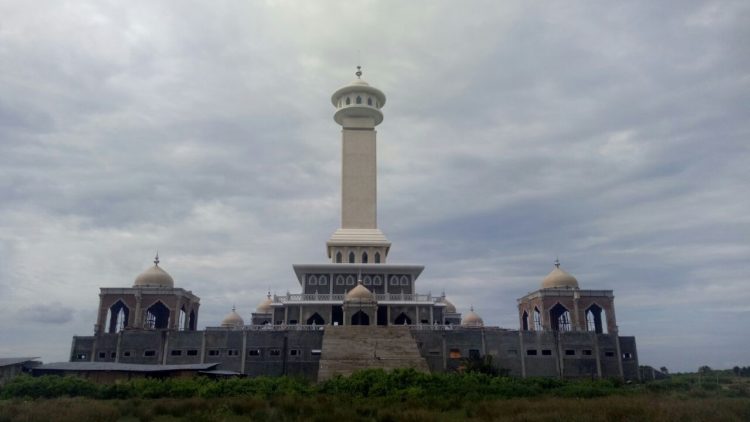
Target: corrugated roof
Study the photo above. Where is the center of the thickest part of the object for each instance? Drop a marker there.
(14, 361)
(128, 367)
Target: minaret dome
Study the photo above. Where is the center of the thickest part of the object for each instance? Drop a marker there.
(358, 99)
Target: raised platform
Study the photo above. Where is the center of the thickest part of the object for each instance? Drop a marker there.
(347, 349)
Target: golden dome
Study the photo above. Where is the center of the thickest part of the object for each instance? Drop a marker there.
(450, 308)
(264, 307)
(233, 320)
(359, 293)
(154, 277)
(472, 319)
(559, 279)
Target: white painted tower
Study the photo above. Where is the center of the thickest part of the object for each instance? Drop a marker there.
(358, 112)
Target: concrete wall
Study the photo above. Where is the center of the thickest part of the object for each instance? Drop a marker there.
(297, 352)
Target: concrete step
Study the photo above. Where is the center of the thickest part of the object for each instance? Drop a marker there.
(350, 348)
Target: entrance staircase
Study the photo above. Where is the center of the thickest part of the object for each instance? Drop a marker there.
(354, 347)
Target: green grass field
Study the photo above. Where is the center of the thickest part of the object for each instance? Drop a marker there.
(379, 396)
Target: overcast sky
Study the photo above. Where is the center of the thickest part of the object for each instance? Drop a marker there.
(613, 135)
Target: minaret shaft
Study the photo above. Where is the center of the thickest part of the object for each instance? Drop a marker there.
(358, 240)
(358, 179)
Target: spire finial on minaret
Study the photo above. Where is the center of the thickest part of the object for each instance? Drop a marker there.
(557, 262)
(359, 72)
(233, 308)
(471, 308)
(156, 258)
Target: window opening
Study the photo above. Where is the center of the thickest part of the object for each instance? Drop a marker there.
(560, 318)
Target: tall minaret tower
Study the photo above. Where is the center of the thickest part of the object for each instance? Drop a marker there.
(358, 112)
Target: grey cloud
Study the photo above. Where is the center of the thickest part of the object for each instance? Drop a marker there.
(48, 313)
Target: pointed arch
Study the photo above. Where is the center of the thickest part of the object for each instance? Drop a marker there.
(118, 316)
(364, 257)
(316, 319)
(596, 318)
(193, 321)
(525, 321)
(377, 257)
(360, 318)
(359, 99)
(369, 101)
(157, 316)
(560, 318)
(402, 319)
(339, 258)
(537, 320)
(182, 319)
(348, 100)
(351, 257)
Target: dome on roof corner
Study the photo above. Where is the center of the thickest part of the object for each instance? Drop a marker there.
(449, 306)
(233, 319)
(359, 293)
(154, 277)
(264, 307)
(560, 279)
(472, 320)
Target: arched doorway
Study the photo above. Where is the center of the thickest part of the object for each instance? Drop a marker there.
(316, 319)
(337, 315)
(402, 319)
(360, 318)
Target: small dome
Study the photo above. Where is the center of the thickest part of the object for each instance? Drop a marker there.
(264, 307)
(559, 278)
(154, 277)
(449, 306)
(472, 319)
(232, 320)
(359, 293)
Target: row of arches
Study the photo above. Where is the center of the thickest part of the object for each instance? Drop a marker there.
(365, 258)
(560, 319)
(358, 100)
(359, 318)
(156, 316)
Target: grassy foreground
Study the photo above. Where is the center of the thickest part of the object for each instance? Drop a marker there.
(377, 396)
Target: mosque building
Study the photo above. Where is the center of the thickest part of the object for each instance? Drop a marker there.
(357, 310)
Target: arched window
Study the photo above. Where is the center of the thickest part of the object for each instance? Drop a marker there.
(364, 257)
(595, 319)
(182, 319)
(525, 321)
(348, 100)
(560, 318)
(537, 320)
(402, 319)
(367, 280)
(359, 99)
(369, 101)
(192, 322)
(157, 316)
(351, 257)
(377, 257)
(339, 258)
(118, 317)
(350, 280)
(316, 319)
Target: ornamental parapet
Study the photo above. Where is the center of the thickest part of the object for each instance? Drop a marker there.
(339, 298)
